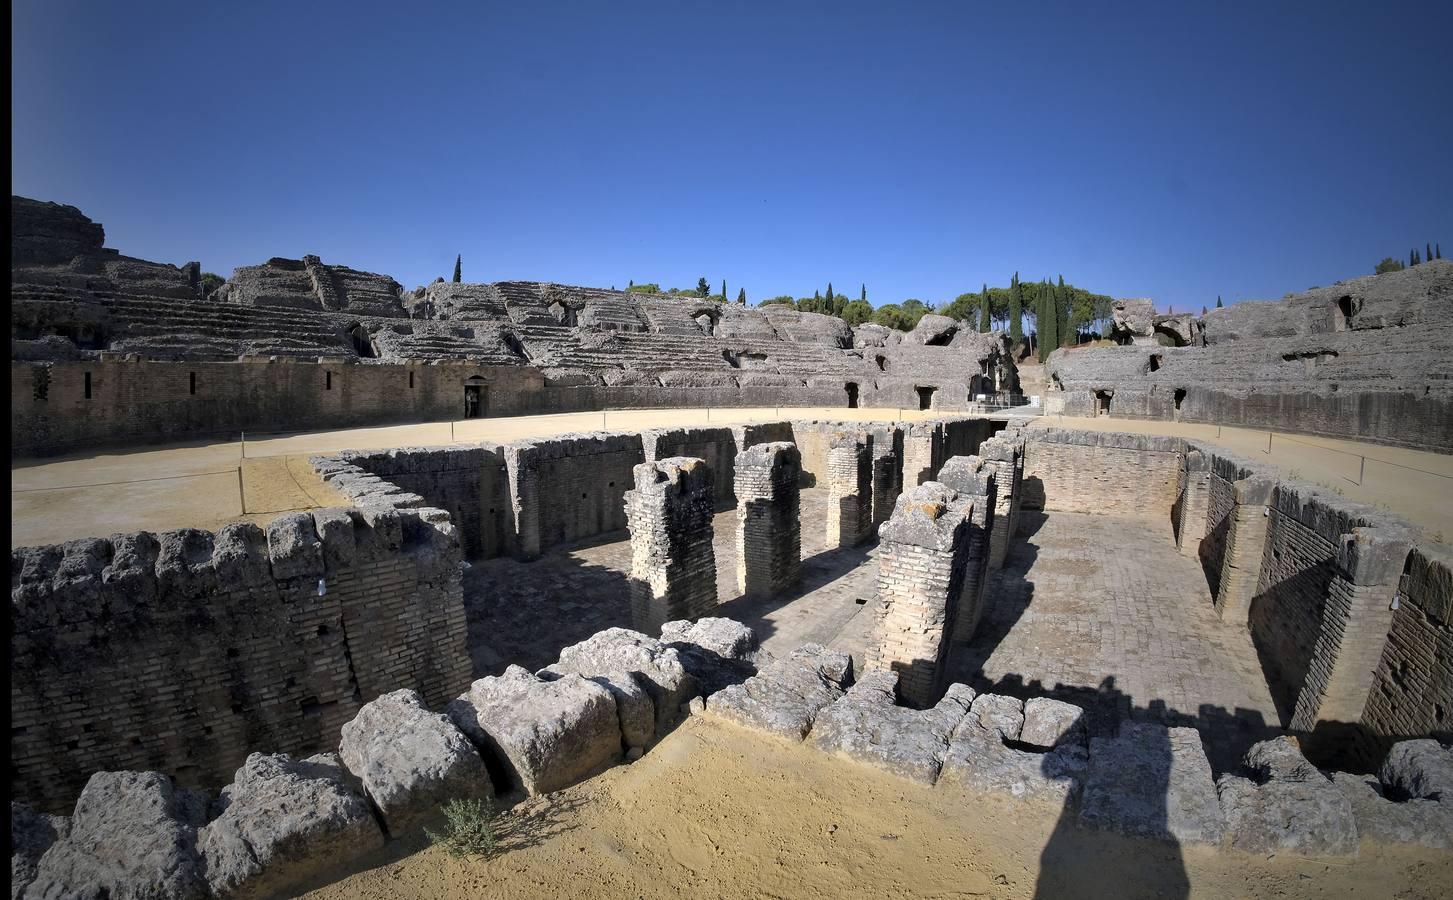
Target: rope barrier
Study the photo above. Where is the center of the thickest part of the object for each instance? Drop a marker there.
(74, 487)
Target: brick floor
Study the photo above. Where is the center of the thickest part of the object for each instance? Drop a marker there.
(1102, 611)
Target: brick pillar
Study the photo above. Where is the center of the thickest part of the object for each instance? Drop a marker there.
(887, 475)
(921, 561)
(769, 530)
(849, 489)
(1245, 544)
(999, 456)
(973, 478)
(922, 452)
(1353, 629)
(1193, 503)
(673, 565)
(524, 475)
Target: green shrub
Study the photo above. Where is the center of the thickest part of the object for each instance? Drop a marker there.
(469, 828)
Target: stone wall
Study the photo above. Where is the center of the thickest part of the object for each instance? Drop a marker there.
(1412, 689)
(673, 563)
(718, 446)
(570, 487)
(1106, 473)
(849, 489)
(769, 524)
(183, 650)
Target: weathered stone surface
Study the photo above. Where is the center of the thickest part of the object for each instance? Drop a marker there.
(981, 758)
(716, 652)
(656, 667)
(1425, 822)
(634, 707)
(1152, 781)
(549, 734)
(133, 837)
(31, 834)
(1421, 769)
(785, 697)
(281, 822)
(867, 725)
(1286, 805)
(1049, 723)
(410, 760)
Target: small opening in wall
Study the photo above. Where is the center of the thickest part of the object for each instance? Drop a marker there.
(1155, 362)
(1180, 395)
(1334, 387)
(411, 381)
(852, 390)
(925, 397)
(327, 381)
(882, 364)
(42, 382)
(192, 382)
(88, 385)
(1102, 403)
(1346, 309)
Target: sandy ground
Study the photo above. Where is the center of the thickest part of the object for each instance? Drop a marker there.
(715, 811)
(63, 498)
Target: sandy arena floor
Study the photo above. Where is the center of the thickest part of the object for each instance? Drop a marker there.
(715, 811)
(83, 495)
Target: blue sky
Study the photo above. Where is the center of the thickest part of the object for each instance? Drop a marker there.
(1176, 151)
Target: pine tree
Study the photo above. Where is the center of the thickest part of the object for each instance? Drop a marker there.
(1016, 331)
(457, 261)
(702, 288)
(1219, 304)
(742, 297)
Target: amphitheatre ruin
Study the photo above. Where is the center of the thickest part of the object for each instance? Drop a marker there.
(716, 599)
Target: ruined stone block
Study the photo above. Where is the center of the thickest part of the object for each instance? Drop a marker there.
(547, 733)
(655, 668)
(673, 564)
(1286, 805)
(410, 760)
(284, 822)
(867, 725)
(981, 758)
(1152, 781)
(785, 697)
(769, 530)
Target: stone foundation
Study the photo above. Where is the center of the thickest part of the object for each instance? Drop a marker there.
(673, 565)
(850, 489)
(769, 530)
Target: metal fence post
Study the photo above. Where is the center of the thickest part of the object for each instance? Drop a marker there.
(1268, 441)
(241, 497)
(1361, 471)
(244, 445)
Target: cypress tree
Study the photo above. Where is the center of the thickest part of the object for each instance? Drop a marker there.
(1412, 258)
(631, 284)
(817, 295)
(1067, 322)
(1049, 336)
(1219, 304)
(984, 309)
(1427, 252)
(1016, 331)
(723, 290)
(864, 295)
(1437, 251)
(1204, 310)
(742, 296)
(829, 293)
(457, 260)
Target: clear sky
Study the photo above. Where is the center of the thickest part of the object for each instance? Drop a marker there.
(1171, 150)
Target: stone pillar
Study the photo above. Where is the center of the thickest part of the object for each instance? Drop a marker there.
(769, 529)
(887, 474)
(1353, 631)
(524, 475)
(673, 565)
(921, 561)
(1245, 544)
(1193, 503)
(849, 489)
(999, 457)
(922, 452)
(973, 478)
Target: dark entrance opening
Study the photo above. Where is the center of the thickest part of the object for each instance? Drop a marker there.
(362, 343)
(852, 390)
(925, 397)
(1155, 362)
(1346, 309)
(476, 399)
(1180, 396)
(1102, 403)
(882, 364)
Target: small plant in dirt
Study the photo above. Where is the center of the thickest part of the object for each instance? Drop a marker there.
(468, 828)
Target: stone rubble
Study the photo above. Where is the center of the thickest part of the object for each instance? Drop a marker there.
(1286, 805)
(866, 725)
(785, 697)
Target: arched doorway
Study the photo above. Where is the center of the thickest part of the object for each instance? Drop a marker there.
(476, 397)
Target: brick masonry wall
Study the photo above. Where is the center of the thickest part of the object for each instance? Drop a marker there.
(922, 557)
(885, 445)
(769, 526)
(570, 487)
(718, 446)
(1105, 473)
(673, 563)
(181, 652)
(850, 490)
(974, 479)
(1412, 689)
